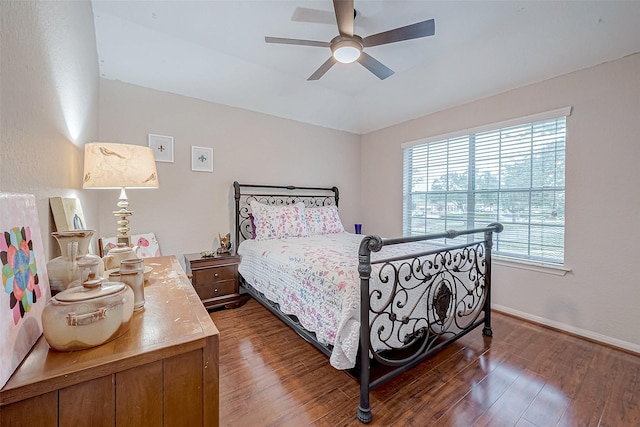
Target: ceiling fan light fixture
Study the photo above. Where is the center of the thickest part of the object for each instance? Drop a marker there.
(347, 46)
(346, 51)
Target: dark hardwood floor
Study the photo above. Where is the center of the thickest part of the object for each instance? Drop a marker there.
(526, 375)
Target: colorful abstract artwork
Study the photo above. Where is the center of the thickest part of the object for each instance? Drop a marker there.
(19, 271)
(25, 284)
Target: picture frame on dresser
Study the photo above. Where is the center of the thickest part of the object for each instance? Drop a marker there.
(24, 275)
(67, 213)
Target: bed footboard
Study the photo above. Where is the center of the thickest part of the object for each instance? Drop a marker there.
(429, 300)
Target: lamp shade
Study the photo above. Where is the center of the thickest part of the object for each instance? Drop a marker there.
(111, 165)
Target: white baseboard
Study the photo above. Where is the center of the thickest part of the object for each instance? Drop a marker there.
(625, 345)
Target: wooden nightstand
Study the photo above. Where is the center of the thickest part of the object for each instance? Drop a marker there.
(215, 279)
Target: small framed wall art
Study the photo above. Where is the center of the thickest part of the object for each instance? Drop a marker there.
(201, 159)
(162, 147)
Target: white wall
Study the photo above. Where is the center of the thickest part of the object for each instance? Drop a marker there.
(48, 103)
(599, 298)
(190, 208)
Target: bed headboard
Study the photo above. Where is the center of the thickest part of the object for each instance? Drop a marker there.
(276, 195)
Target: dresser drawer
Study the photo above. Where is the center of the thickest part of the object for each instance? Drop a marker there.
(214, 290)
(217, 274)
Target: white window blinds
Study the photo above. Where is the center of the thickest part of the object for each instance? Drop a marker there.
(512, 173)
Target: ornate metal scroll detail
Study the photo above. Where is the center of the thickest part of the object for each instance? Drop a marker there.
(442, 301)
(425, 299)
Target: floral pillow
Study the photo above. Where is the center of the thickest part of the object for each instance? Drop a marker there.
(277, 222)
(291, 221)
(323, 220)
(265, 226)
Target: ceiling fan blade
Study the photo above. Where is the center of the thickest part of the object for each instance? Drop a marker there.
(375, 66)
(344, 16)
(304, 14)
(323, 69)
(413, 31)
(299, 42)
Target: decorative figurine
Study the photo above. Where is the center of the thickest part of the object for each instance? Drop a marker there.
(225, 244)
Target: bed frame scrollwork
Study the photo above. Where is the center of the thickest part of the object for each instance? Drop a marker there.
(429, 299)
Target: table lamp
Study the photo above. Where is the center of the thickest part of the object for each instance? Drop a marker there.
(119, 166)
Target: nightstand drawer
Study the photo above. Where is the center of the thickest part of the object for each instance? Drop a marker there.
(213, 290)
(217, 274)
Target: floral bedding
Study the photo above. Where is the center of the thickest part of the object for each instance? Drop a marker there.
(316, 279)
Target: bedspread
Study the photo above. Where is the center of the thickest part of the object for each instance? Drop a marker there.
(316, 279)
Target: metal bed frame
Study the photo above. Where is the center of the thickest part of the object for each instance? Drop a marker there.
(452, 282)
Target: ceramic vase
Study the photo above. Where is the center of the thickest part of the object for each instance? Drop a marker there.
(63, 271)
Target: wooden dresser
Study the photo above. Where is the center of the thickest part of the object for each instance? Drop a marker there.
(162, 372)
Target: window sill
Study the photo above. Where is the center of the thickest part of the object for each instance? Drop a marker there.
(556, 270)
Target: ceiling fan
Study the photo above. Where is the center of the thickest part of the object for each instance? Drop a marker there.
(348, 47)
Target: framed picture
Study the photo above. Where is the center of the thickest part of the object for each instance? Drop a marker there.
(202, 159)
(24, 276)
(67, 213)
(162, 147)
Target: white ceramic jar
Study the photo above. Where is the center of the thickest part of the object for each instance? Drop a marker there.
(131, 273)
(88, 315)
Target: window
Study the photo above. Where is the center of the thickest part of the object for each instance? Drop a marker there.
(512, 172)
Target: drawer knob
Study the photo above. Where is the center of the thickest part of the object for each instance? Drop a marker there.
(216, 275)
(215, 290)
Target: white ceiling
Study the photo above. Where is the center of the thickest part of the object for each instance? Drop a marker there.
(215, 50)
